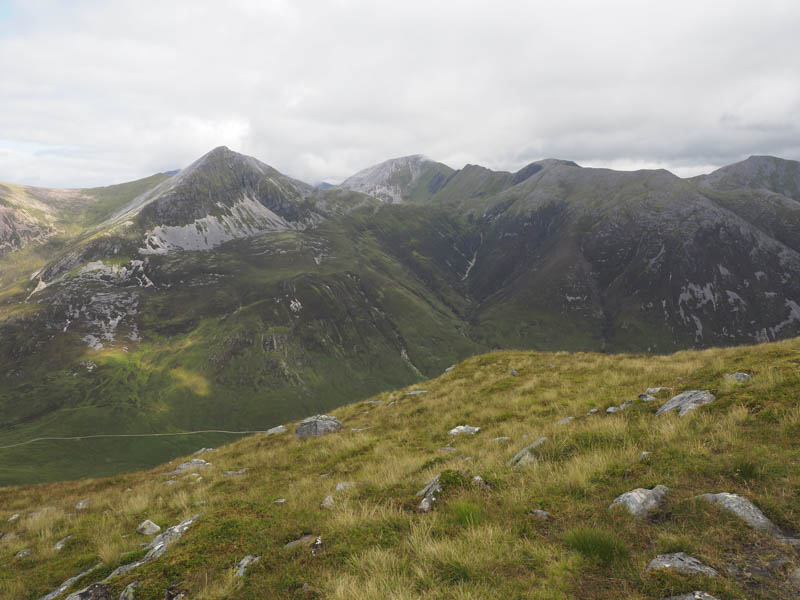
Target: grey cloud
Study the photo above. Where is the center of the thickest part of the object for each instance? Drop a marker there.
(321, 89)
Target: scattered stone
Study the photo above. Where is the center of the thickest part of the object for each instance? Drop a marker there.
(468, 429)
(201, 451)
(682, 563)
(239, 472)
(646, 398)
(343, 485)
(749, 513)
(23, 553)
(450, 368)
(565, 420)
(200, 503)
(429, 493)
(147, 527)
(277, 429)
(316, 547)
(248, 560)
(280, 501)
(13, 517)
(594, 411)
(644, 455)
(392, 403)
(83, 504)
(542, 515)
(692, 596)
(738, 377)
(358, 429)
(481, 482)
(687, 401)
(129, 593)
(625, 404)
(306, 540)
(171, 482)
(416, 392)
(173, 593)
(195, 463)
(447, 448)
(612, 409)
(327, 504)
(501, 439)
(526, 455)
(316, 426)
(653, 391)
(513, 372)
(641, 502)
(373, 402)
(96, 591)
(59, 545)
(326, 475)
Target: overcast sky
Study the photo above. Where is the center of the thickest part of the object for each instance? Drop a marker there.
(98, 92)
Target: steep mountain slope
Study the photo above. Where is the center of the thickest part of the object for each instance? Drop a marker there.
(406, 179)
(543, 529)
(229, 296)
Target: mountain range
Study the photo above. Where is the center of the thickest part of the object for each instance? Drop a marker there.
(229, 296)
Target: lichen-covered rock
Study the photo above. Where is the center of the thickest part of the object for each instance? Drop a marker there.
(96, 591)
(129, 593)
(316, 426)
(276, 430)
(682, 563)
(193, 464)
(59, 545)
(23, 553)
(692, 596)
(646, 397)
(344, 485)
(327, 504)
(749, 513)
(466, 429)
(429, 494)
(306, 540)
(738, 377)
(642, 502)
(687, 401)
(147, 527)
(526, 456)
(248, 560)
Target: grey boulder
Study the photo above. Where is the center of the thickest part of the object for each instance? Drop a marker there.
(277, 429)
(642, 502)
(429, 494)
(129, 593)
(193, 464)
(565, 420)
(749, 513)
(738, 377)
(687, 401)
(467, 429)
(316, 426)
(327, 504)
(526, 456)
(83, 504)
(681, 563)
(248, 560)
(147, 527)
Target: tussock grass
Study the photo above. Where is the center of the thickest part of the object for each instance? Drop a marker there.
(478, 542)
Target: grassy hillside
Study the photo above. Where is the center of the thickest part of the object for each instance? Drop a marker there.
(479, 541)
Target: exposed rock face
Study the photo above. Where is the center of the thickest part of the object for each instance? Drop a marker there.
(682, 563)
(467, 429)
(316, 426)
(59, 545)
(749, 513)
(96, 591)
(277, 429)
(147, 527)
(248, 560)
(129, 593)
(66, 585)
(429, 494)
(687, 401)
(526, 455)
(642, 502)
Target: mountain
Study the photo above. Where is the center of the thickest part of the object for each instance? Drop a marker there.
(555, 525)
(230, 296)
(398, 180)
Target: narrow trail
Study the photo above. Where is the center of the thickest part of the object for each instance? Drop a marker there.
(126, 435)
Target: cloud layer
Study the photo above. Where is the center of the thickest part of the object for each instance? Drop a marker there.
(100, 92)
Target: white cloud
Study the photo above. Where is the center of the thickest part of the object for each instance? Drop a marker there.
(95, 92)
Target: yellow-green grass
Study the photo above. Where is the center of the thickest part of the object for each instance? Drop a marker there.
(478, 542)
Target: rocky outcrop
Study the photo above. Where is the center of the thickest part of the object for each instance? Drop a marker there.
(193, 464)
(526, 456)
(96, 591)
(147, 527)
(642, 502)
(277, 429)
(749, 513)
(429, 494)
(316, 426)
(467, 429)
(306, 540)
(686, 402)
(129, 593)
(692, 596)
(739, 377)
(681, 562)
(247, 561)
